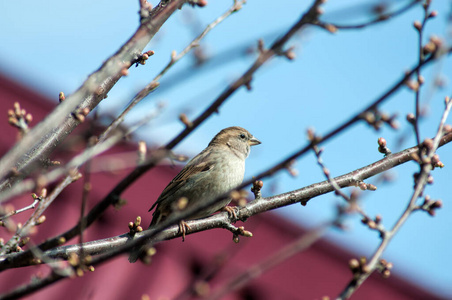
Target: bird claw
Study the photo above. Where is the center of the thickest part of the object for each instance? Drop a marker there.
(231, 212)
(183, 229)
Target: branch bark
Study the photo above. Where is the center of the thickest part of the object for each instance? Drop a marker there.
(44, 137)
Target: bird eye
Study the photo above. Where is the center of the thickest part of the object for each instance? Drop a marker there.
(242, 136)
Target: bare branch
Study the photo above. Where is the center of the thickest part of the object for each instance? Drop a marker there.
(45, 136)
(381, 17)
(421, 181)
(154, 84)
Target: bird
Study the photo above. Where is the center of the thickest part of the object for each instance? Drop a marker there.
(216, 170)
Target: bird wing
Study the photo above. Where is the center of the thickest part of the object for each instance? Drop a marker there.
(198, 165)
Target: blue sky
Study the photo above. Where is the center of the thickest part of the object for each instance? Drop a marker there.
(54, 46)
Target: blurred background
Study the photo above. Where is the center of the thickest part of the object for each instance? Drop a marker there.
(54, 46)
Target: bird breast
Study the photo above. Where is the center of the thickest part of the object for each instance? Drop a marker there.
(226, 175)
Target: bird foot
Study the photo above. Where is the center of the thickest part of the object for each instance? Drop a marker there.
(183, 229)
(231, 210)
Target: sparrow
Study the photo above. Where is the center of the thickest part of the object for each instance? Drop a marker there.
(216, 170)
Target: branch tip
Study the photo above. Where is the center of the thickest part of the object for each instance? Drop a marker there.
(256, 189)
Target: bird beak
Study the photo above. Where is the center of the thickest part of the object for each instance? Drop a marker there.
(253, 141)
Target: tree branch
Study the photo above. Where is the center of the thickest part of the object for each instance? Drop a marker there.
(426, 166)
(222, 220)
(44, 137)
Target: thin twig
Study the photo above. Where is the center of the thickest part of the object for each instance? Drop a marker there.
(372, 265)
(352, 200)
(33, 220)
(18, 211)
(326, 172)
(78, 160)
(47, 135)
(154, 84)
(380, 18)
(418, 72)
(354, 119)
